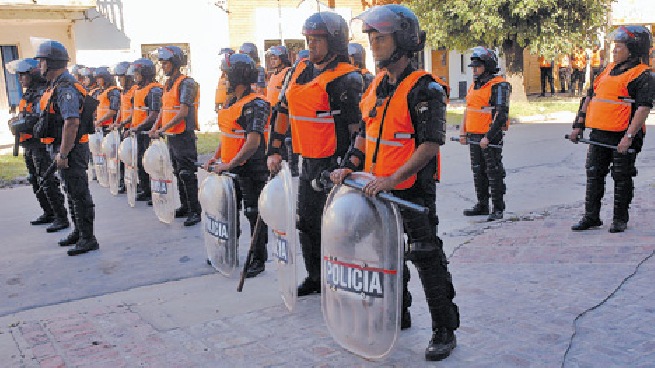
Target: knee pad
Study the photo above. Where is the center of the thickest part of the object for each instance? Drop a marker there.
(420, 251)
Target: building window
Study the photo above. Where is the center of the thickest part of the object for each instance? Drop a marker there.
(12, 84)
(150, 51)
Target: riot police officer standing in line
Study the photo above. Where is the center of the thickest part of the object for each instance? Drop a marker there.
(146, 107)
(485, 118)
(76, 71)
(178, 119)
(61, 104)
(357, 57)
(109, 99)
(280, 65)
(37, 158)
(403, 125)
(250, 49)
(322, 102)
(124, 116)
(89, 82)
(615, 109)
(242, 147)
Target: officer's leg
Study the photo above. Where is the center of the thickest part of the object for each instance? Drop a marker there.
(406, 317)
(309, 211)
(33, 178)
(623, 170)
(144, 178)
(543, 81)
(597, 166)
(551, 81)
(51, 190)
(77, 181)
(183, 211)
(480, 180)
(186, 157)
(251, 190)
(496, 173)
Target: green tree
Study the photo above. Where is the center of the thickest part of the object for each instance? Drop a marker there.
(543, 26)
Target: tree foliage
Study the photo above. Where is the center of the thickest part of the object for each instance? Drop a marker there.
(543, 26)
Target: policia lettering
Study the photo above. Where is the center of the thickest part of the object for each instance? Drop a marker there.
(616, 108)
(73, 152)
(355, 278)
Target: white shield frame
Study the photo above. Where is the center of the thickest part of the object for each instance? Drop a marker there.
(163, 184)
(110, 149)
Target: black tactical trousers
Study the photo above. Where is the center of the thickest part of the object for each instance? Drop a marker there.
(547, 75)
(564, 79)
(76, 185)
(488, 173)
(425, 250)
(184, 156)
(248, 189)
(37, 160)
(142, 142)
(599, 161)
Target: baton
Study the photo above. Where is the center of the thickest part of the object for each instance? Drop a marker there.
(468, 141)
(389, 197)
(51, 169)
(589, 141)
(210, 169)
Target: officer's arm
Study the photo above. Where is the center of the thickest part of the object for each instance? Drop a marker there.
(346, 97)
(154, 105)
(255, 127)
(500, 102)
(279, 127)
(114, 106)
(355, 156)
(71, 125)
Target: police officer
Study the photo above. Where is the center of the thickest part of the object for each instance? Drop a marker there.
(486, 116)
(89, 82)
(76, 71)
(109, 99)
(357, 57)
(178, 119)
(37, 158)
(146, 107)
(242, 147)
(579, 62)
(404, 100)
(596, 62)
(546, 72)
(564, 71)
(615, 109)
(279, 67)
(250, 49)
(61, 105)
(322, 103)
(124, 116)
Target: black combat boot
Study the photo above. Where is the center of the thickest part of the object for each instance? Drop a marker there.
(256, 267)
(495, 215)
(194, 218)
(143, 196)
(405, 319)
(586, 223)
(58, 224)
(84, 246)
(45, 218)
(71, 239)
(182, 212)
(309, 286)
(477, 210)
(618, 226)
(441, 345)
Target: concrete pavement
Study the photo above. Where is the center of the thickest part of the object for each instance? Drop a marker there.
(530, 291)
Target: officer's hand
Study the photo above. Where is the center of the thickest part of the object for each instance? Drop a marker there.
(462, 139)
(62, 163)
(380, 184)
(484, 142)
(209, 163)
(624, 145)
(338, 175)
(575, 134)
(274, 163)
(220, 167)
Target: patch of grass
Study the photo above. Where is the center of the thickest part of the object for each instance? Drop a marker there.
(207, 142)
(12, 167)
(538, 108)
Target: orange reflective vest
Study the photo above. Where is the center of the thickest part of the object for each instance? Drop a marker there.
(479, 112)
(126, 104)
(543, 63)
(579, 60)
(141, 111)
(389, 149)
(220, 98)
(312, 120)
(44, 103)
(25, 108)
(275, 86)
(563, 61)
(611, 107)
(233, 136)
(595, 59)
(171, 106)
(103, 106)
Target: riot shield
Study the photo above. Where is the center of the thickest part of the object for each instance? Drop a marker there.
(163, 184)
(110, 149)
(99, 160)
(127, 153)
(217, 195)
(361, 270)
(277, 206)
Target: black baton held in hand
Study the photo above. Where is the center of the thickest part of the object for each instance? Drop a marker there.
(589, 141)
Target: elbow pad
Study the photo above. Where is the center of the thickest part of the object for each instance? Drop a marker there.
(432, 111)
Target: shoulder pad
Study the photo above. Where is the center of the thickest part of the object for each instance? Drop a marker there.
(260, 103)
(352, 80)
(435, 89)
(505, 85)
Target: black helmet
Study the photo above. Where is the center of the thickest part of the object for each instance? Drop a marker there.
(121, 68)
(226, 51)
(241, 70)
(104, 73)
(638, 39)
(87, 71)
(250, 49)
(332, 26)
(145, 67)
(54, 52)
(173, 54)
(21, 66)
(76, 69)
(356, 51)
(484, 56)
(281, 52)
(399, 21)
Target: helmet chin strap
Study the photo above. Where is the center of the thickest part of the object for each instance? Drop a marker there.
(395, 56)
(326, 58)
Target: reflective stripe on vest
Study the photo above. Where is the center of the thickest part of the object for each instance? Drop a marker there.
(103, 106)
(126, 104)
(171, 106)
(610, 108)
(275, 86)
(233, 137)
(396, 143)
(140, 110)
(479, 112)
(312, 124)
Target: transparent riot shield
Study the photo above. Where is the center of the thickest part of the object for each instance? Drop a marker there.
(110, 149)
(99, 160)
(362, 244)
(127, 153)
(218, 199)
(163, 184)
(277, 206)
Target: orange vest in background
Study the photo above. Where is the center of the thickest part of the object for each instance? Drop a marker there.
(220, 98)
(233, 136)
(543, 63)
(479, 112)
(610, 108)
(171, 106)
(140, 110)
(126, 104)
(275, 85)
(103, 106)
(595, 59)
(312, 120)
(579, 60)
(26, 108)
(563, 61)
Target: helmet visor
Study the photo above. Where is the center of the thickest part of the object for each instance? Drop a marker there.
(622, 34)
(164, 53)
(21, 66)
(379, 19)
(130, 71)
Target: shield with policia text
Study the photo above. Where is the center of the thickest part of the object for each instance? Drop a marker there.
(163, 184)
(218, 200)
(99, 159)
(127, 152)
(277, 206)
(362, 255)
(110, 149)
